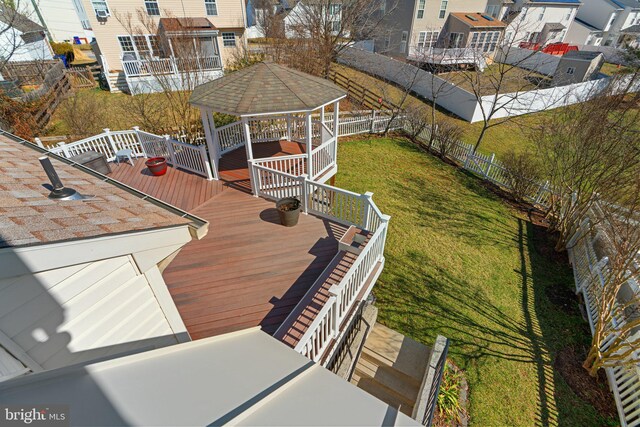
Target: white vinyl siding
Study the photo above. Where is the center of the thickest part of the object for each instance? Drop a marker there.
(211, 7)
(78, 313)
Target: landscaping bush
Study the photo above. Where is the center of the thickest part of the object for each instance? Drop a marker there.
(449, 133)
(84, 114)
(522, 172)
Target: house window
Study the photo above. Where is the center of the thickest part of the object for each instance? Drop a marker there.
(383, 6)
(228, 39)
(455, 39)
(152, 7)
(126, 44)
(443, 9)
(571, 70)
(493, 10)
(142, 46)
(541, 16)
(335, 26)
(100, 6)
(485, 41)
(387, 42)
(403, 41)
(427, 39)
(421, 4)
(212, 8)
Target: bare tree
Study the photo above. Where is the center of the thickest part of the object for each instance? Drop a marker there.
(589, 149)
(522, 173)
(318, 30)
(616, 240)
(448, 135)
(14, 18)
(267, 19)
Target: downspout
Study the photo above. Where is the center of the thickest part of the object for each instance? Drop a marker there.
(44, 24)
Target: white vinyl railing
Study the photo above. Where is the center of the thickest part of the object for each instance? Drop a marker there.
(323, 158)
(172, 65)
(193, 158)
(294, 165)
(588, 271)
(230, 137)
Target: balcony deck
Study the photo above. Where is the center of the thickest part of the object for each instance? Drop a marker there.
(249, 270)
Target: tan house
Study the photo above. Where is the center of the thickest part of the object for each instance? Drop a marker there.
(153, 45)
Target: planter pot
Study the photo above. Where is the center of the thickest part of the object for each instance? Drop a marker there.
(289, 211)
(157, 165)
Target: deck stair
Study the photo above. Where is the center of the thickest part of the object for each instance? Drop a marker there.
(391, 368)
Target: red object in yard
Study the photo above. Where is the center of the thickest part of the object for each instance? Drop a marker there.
(157, 165)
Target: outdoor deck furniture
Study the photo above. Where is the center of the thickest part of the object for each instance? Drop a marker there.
(124, 154)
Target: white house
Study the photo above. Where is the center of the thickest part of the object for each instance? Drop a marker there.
(539, 22)
(81, 279)
(297, 22)
(604, 22)
(21, 39)
(63, 19)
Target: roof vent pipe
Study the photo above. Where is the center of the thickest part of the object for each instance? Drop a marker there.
(59, 192)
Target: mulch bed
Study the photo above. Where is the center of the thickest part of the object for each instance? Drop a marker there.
(595, 391)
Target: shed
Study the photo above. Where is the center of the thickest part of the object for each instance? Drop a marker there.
(577, 67)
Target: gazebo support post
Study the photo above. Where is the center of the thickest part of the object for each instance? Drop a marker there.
(289, 127)
(249, 149)
(322, 115)
(211, 136)
(308, 136)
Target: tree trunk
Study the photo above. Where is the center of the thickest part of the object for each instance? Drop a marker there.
(480, 137)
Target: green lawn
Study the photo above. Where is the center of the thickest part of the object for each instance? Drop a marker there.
(461, 263)
(500, 139)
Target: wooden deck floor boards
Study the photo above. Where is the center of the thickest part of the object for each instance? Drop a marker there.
(249, 270)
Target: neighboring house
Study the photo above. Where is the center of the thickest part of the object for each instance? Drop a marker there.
(63, 19)
(538, 22)
(201, 38)
(577, 67)
(301, 17)
(261, 10)
(81, 279)
(417, 24)
(21, 39)
(603, 22)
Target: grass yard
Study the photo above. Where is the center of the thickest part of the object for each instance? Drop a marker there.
(514, 80)
(462, 263)
(509, 136)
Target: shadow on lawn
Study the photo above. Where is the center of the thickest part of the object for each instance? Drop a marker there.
(481, 330)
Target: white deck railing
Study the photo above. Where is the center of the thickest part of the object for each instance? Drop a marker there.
(193, 158)
(588, 269)
(172, 65)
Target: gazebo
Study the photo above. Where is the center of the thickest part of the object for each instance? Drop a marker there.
(274, 103)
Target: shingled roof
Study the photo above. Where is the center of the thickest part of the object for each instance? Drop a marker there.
(29, 217)
(265, 88)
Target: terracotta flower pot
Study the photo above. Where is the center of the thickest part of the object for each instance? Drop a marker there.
(157, 165)
(289, 211)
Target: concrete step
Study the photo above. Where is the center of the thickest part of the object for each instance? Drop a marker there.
(387, 395)
(390, 378)
(388, 347)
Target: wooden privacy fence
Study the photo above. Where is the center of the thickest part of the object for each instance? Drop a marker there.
(81, 77)
(28, 72)
(360, 94)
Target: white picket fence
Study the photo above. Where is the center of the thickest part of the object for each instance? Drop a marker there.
(193, 158)
(487, 167)
(588, 271)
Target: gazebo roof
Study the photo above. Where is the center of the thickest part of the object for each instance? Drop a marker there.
(265, 88)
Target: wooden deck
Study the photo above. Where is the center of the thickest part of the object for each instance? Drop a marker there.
(184, 190)
(234, 169)
(249, 270)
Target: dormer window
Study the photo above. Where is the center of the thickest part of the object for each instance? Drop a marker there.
(152, 7)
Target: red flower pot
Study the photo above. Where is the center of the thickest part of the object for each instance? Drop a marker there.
(157, 165)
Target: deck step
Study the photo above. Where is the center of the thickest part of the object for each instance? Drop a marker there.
(382, 392)
(391, 378)
(386, 346)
